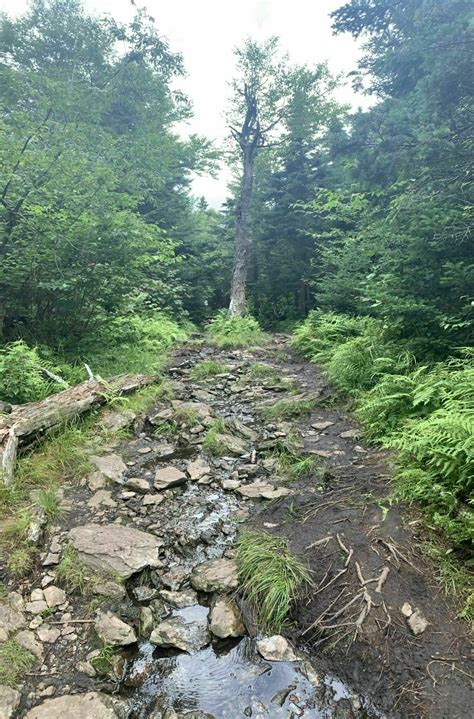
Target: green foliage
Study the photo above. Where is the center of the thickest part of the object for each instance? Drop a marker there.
(229, 332)
(20, 561)
(286, 409)
(15, 662)
(207, 369)
(71, 572)
(271, 577)
(21, 378)
(322, 332)
(103, 662)
(211, 441)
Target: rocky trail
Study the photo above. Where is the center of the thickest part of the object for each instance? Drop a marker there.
(164, 631)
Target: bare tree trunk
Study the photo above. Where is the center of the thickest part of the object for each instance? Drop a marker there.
(243, 236)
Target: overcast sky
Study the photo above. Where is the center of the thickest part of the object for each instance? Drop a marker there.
(206, 31)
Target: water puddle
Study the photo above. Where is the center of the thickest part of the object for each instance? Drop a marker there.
(231, 681)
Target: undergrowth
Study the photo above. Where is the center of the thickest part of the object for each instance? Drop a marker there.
(271, 577)
(15, 662)
(231, 332)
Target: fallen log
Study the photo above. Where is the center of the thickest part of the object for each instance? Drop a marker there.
(27, 420)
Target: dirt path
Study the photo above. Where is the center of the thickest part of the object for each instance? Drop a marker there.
(155, 525)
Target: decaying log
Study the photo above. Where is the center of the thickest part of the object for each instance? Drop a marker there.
(27, 420)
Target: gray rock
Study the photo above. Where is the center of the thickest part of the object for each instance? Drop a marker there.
(226, 619)
(5, 407)
(174, 578)
(169, 477)
(350, 434)
(276, 649)
(111, 466)
(112, 590)
(54, 596)
(48, 634)
(36, 607)
(417, 622)
(114, 421)
(9, 701)
(102, 496)
(115, 548)
(28, 641)
(112, 630)
(138, 484)
(231, 444)
(93, 705)
(262, 490)
(189, 636)
(321, 425)
(216, 575)
(179, 600)
(198, 469)
(144, 594)
(152, 499)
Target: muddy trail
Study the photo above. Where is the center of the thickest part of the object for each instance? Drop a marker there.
(164, 630)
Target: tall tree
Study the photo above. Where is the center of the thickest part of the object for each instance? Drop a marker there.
(258, 108)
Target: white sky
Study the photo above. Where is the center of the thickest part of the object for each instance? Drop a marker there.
(206, 31)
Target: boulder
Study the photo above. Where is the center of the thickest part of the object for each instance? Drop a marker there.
(54, 596)
(197, 469)
(321, 425)
(189, 636)
(276, 649)
(114, 421)
(93, 705)
(231, 444)
(27, 640)
(138, 484)
(216, 575)
(111, 466)
(226, 620)
(112, 630)
(179, 600)
(262, 490)
(9, 701)
(115, 548)
(169, 477)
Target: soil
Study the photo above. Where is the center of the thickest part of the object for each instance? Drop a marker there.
(364, 555)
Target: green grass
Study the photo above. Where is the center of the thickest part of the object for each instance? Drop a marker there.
(207, 369)
(271, 577)
(144, 398)
(289, 409)
(166, 428)
(15, 662)
(20, 561)
(211, 441)
(102, 663)
(50, 503)
(71, 573)
(455, 580)
(235, 332)
(187, 416)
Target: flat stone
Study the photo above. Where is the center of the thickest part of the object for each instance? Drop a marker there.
(230, 484)
(51, 559)
(321, 425)
(417, 622)
(244, 430)
(276, 649)
(231, 444)
(226, 619)
(54, 596)
(28, 641)
(350, 434)
(102, 496)
(92, 705)
(36, 607)
(174, 578)
(144, 594)
(179, 600)
(197, 469)
(169, 477)
(406, 609)
(111, 466)
(48, 634)
(138, 484)
(113, 590)
(36, 595)
(144, 450)
(96, 481)
(216, 575)
(115, 548)
(262, 490)
(112, 630)
(189, 636)
(201, 409)
(114, 421)
(9, 701)
(150, 499)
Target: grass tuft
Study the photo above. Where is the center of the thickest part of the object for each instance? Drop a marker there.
(289, 409)
(231, 332)
(207, 369)
(271, 577)
(15, 662)
(211, 441)
(71, 572)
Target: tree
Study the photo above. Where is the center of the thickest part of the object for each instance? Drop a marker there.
(258, 108)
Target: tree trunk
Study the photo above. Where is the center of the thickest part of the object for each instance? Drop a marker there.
(243, 237)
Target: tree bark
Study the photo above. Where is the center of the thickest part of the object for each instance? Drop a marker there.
(243, 236)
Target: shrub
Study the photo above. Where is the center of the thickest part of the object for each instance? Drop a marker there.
(322, 332)
(226, 331)
(21, 378)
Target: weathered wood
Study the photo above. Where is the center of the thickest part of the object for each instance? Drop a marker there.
(27, 420)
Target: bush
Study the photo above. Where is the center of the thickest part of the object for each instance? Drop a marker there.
(21, 378)
(321, 332)
(226, 331)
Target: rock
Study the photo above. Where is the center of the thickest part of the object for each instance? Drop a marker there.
(146, 621)
(417, 622)
(36, 607)
(350, 434)
(96, 481)
(86, 668)
(174, 578)
(112, 630)
(276, 649)
(189, 636)
(152, 499)
(93, 705)
(244, 431)
(114, 421)
(262, 490)
(185, 598)
(144, 594)
(36, 595)
(115, 548)
(48, 634)
(231, 444)
(54, 596)
(200, 409)
(138, 484)
(216, 575)
(9, 701)
(197, 469)
(112, 590)
(102, 496)
(169, 477)
(226, 620)
(321, 425)
(111, 466)
(406, 610)
(28, 641)
(5, 407)
(51, 559)
(230, 484)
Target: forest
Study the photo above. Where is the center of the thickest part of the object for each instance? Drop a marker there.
(348, 233)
